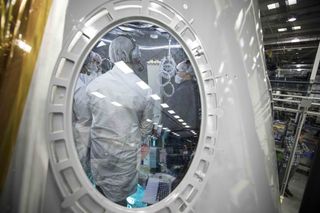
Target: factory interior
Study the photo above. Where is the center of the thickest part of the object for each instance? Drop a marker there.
(291, 41)
(129, 129)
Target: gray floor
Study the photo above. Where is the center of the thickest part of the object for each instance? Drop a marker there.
(296, 186)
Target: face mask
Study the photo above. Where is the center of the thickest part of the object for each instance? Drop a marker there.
(178, 79)
(92, 67)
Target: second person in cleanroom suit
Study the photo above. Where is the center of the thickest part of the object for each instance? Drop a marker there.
(81, 114)
(120, 109)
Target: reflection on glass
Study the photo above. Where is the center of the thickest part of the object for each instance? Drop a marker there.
(136, 115)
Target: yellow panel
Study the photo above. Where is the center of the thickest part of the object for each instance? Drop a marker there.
(22, 27)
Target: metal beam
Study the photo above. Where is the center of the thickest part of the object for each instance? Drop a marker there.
(292, 82)
(295, 33)
(292, 70)
(298, 53)
(292, 101)
(292, 154)
(288, 90)
(313, 113)
(315, 65)
(291, 40)
(308, 66)
(286, 100)
(285, 109)
(295, 96)
(298, 47)
(275, 25)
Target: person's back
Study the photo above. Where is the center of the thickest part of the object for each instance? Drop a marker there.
(123, 104)
(119, 111)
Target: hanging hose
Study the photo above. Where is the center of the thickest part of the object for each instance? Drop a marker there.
(167, 71)
(168, 65)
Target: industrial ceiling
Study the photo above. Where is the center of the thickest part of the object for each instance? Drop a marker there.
(291, 34)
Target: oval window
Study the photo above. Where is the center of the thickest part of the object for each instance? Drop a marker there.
(136, 114)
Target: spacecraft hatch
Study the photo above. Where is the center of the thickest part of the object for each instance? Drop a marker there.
(201, 143)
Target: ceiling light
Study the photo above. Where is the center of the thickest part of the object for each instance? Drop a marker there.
(171, 111)
(184, 123)
(166, 129)
(282, 29)
(296, 28)
(148, 120)
(291, 2)
(155, 97)
(154, 36)
(273, 6)
(101, 44)
(295, 40)
(176, 116)
(164, 105)
(299, 70)
(175, 46)
(143, 85)
(193, 132)
(116, 104)
(180, 120)
(187, 126)
(175, 134)
(98, 94)
(292, 19)
(128, 29)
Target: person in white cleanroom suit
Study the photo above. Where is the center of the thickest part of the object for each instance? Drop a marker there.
(120, 109)
(81, 114)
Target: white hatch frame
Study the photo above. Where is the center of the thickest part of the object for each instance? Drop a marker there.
(76, 190)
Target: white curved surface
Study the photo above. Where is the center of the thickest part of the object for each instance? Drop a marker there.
(242, 176)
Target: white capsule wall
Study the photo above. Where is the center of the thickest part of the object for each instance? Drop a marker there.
(233, 168)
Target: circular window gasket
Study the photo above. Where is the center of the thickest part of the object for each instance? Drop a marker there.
(76, 190)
